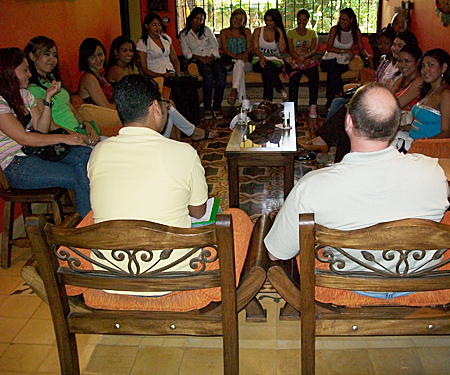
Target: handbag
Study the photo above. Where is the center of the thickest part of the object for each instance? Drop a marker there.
(52, 153)
(227, 62)
(183, 81)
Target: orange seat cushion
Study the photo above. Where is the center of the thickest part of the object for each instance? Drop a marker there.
(179, 300)
(341, 297)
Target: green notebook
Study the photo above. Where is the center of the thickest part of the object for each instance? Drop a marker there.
(212, 207)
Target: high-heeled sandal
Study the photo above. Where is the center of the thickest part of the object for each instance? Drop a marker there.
(313, 147)
(232, 98)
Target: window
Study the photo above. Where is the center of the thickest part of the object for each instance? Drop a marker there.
(324, 13)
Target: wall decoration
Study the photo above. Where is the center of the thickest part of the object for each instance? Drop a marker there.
(443, 8)
(158, 5)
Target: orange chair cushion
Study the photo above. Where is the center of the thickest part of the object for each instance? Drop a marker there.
(179, 300)
(341, 297)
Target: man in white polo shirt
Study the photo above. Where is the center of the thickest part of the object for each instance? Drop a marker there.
(372, 184)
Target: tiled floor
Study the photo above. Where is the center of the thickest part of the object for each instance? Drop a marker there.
(27, 346)
(27, 341)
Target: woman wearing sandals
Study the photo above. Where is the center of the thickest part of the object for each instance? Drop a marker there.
(340, 43)
(199, 43)
(236, 42)
(269, 42)
(302, 44)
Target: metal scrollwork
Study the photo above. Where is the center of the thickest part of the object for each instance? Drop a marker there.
(393, 263)
(132, 263)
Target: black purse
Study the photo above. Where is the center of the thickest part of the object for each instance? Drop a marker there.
(182, 81)
(54, 152)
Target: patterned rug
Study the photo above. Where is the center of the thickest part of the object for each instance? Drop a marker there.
(261, 188)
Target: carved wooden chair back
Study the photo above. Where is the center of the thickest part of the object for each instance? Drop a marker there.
(399, 243)
(132, 240)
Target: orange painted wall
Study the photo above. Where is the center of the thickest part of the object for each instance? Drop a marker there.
(425, 23)
(68, 22)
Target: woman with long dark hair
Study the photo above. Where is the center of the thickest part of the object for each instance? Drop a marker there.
(18, 115)
(155, 49)
(199, 43)
(302, 43)
(340, 43)
(236, 43)
(43, 62)
(93, 86)
(269, 42)
(432, 112)
(121, 59)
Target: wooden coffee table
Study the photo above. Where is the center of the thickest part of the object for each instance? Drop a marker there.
(242, 152)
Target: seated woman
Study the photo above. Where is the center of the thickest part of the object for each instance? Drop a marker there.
(406, 88)
(432, 113)
(18, 113)
(121, 59)
(303, 44)
(269, 42)
(157, 58)
(96, 62)
(43, 62)
(199, 43)
(340, 43)
(387, 72)
(236, 42)
(93, 87)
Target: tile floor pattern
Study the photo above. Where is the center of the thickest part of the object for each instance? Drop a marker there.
(27, 341)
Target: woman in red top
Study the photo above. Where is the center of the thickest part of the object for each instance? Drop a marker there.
(93, 87)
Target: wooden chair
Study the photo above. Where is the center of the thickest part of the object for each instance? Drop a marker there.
(405, 237)
(25, 197)
(71, 316)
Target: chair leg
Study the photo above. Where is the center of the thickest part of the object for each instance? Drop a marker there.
(230, 353)
(57, 211)
(7, 231)
(67, 351)
(255, 312)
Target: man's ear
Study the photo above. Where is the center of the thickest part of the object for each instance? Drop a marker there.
(349, 126)
(155, 107)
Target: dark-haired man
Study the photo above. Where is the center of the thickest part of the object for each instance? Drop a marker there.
(372, 184)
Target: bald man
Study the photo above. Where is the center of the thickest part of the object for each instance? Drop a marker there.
(372, 184)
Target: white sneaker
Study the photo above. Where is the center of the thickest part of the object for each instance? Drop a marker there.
(284, 96)
(313, 111)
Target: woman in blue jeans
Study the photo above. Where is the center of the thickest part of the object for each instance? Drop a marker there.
(18, 113)
(199, 43)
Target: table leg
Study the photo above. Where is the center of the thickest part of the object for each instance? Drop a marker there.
(233, 182)
(288, 174)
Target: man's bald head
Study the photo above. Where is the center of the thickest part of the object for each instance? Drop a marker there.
(375, 112)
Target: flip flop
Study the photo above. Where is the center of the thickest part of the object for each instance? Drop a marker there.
(205, 136)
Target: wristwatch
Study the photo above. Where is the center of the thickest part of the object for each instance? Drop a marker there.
(48, 104)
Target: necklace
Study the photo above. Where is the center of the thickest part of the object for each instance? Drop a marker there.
(431, 93)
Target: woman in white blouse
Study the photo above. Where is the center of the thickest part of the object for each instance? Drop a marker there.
(199, 43)
(155, 50)
(158, 58)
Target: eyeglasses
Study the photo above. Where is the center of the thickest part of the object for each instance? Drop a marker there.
(166, 103)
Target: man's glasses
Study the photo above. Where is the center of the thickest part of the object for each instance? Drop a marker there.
(166, 103)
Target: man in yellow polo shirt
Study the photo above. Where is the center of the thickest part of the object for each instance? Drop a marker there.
(140, 174)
